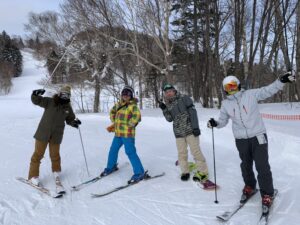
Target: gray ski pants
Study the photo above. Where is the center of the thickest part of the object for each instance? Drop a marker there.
(256, 149)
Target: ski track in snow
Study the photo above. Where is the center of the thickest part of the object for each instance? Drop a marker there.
(163, 201)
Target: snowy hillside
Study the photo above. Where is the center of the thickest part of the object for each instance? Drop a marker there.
(163, 201)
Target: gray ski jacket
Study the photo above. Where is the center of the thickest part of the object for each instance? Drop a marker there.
(181, 111)
(242, 109)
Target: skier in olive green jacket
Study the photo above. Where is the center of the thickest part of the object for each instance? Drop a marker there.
(50, 130)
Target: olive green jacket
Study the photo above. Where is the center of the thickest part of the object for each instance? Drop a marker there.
(52, 124)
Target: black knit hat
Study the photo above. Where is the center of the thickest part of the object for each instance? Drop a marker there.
(168, 87)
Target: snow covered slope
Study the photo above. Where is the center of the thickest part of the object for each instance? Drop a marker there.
(163, 201)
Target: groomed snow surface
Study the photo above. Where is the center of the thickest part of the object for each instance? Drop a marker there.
(163, 201)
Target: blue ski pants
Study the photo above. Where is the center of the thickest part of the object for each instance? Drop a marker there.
(130, 150)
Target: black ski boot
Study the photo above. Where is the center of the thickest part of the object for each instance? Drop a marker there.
(185, 176)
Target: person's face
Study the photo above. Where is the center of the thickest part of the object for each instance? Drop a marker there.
(170, 93)
(64, 95)
(126, 95)
(126, 98)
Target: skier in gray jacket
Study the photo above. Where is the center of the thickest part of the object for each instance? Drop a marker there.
(180, 110)
(241, 106)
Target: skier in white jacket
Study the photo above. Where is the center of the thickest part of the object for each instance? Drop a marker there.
(241, 106)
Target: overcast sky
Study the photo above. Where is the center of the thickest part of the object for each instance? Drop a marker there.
(14, 13)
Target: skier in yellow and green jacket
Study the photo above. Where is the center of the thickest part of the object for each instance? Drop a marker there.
(125, 116)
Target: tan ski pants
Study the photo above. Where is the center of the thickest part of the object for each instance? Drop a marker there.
(40, 148)
(193, 143)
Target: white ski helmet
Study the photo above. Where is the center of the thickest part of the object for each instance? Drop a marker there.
(231, 85)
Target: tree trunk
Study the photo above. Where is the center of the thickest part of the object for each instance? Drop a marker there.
(282, 30)
(197, 75)
(239, 11)
(297, 85)
(97, 95)
(140, 91)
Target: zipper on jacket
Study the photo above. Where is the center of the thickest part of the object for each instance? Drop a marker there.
(241, 115)
(245, 109)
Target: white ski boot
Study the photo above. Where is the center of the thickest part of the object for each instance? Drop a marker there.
(35, 181)
(59, 187)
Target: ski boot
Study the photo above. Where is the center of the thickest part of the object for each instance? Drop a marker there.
(59, 187)
(200, 177)
(138, 177)
(247, 193)
(267, 201)
(185, 176)
(108, 171)
(35, 181)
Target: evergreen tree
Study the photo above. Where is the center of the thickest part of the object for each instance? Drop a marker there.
(4, 39)
(194, 23)
(10, 53)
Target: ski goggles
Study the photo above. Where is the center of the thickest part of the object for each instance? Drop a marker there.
(168, 87)
(126, 92)
(231, 88)
(64, 95)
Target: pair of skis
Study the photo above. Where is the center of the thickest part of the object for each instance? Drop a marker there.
(97, 178)
(122, 187)
(59, 188)
(60, 191)
(263, 220)
(78, 187)
(93, 180)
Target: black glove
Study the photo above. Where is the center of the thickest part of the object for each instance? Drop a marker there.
(212, 123)
(162, 105)
(75, 123)
(38, 92)
(287, 77)
(196, 132)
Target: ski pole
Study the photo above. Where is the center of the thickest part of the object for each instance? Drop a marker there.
(215, 176)
(58, 63)
(87, 169)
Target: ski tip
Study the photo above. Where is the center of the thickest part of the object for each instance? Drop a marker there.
(57, 195)
(74, 189)
(210, 188)
(94, 195)
(221, 219)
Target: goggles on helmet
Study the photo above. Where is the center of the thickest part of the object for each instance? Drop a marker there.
(168, 87)
(231, 88)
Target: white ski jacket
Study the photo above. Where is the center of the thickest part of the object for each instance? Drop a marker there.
(242, 109)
